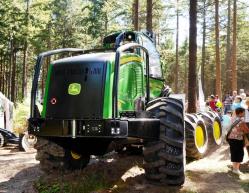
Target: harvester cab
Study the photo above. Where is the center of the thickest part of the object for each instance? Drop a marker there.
(108, 97)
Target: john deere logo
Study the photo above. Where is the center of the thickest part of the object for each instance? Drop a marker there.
(74, 89)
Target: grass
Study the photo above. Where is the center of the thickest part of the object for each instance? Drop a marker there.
(21, 114)
(245, 186)
(84, 184)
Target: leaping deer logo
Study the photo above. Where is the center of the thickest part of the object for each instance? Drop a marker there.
(74, 89)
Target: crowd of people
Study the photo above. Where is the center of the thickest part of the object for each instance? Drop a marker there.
(235, 106)
(229, 103)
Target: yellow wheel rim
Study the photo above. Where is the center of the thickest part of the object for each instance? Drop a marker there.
(75, 155)
(199, 137)
(217, 131)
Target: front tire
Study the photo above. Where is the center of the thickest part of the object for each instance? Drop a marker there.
(75, 161)
(27, 142)
(2, 140)
(50, 155)
(165, 158)
(54, 157)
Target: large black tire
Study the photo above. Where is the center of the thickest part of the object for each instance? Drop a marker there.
(214, 128)
(165, 158)
(50, 155)
(20, 147)
(2, 140)
(196, 136)
(130, 150)
(53, 157)
(74, 161)
(27, 142)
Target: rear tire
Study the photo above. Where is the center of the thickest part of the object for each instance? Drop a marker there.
(215, 133)
(196, 136)
(2, 140)
(165, 159)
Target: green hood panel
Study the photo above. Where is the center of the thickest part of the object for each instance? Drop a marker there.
(81, 87)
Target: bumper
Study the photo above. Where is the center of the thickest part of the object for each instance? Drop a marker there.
(109, 128)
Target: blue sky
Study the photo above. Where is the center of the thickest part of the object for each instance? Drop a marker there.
(184, 23)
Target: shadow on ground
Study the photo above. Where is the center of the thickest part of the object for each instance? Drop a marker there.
(124, 174)
(22, 182)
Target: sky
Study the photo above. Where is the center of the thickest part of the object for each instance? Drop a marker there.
(184, 24)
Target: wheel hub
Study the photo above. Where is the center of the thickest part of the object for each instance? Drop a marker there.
(75, 155)
(199, 137)
(216, 131)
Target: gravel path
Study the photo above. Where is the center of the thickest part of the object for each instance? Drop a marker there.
(18, 170)
(209, 175)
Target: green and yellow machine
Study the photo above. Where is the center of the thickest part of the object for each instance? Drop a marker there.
(104, 99)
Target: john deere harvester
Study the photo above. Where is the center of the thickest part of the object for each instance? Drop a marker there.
(113, 95)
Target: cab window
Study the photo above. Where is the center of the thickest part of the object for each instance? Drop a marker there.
(154, 57)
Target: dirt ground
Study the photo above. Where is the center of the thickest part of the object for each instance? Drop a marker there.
(212, 174)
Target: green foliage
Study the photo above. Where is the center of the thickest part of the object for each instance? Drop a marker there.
(21, 114)
(52, 24)
(167, 51)
(245, 186)
(86, 184)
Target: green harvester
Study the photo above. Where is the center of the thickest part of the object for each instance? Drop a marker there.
(108, 99)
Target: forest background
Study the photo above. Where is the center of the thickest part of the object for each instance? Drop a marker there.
(29, 27)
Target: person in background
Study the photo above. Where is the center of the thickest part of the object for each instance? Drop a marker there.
(227, 101)
(247, 93)
(247, 123)
(207, 107)
(237, 102)
(212, 103)
(247, 111)
(243, 97)
(241, 91)
(218, 104)
(234, 95)
(235, 140)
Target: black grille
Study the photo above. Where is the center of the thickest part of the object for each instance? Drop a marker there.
(88, 103)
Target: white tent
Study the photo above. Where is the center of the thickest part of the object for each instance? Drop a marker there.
(6, 113)
(201, 98)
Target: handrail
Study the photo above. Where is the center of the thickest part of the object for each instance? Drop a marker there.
(38, 65)
(116, 75)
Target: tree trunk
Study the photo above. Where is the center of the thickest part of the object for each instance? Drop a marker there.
(203, 57)
(1, 72)
(17, 86)
(192, 57)
(10, 68)
(234, 48)
(46, 64)
(217, 51)
(149, 16)
(158, 38)
(228, 48)
(25, 52)
(106, 25)
(185, 76)
(177, 45)
(135, 14)
(13, 77)
(5, 83)
(24, 71)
